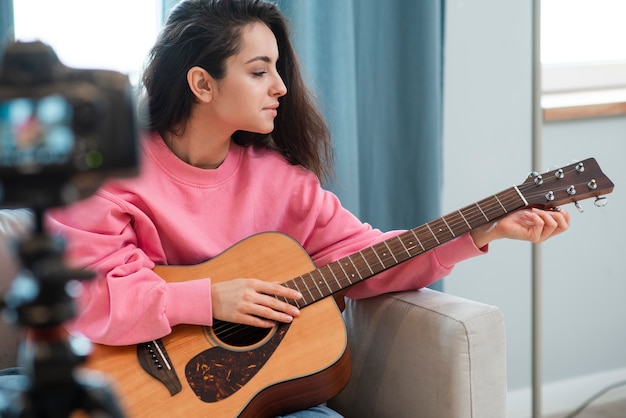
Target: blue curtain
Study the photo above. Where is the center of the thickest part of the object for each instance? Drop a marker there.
(7, 32)
(377, 69)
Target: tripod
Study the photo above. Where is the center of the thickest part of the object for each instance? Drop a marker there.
(41, 300)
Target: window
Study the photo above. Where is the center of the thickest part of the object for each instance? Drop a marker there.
(112, 34)
(583, 44)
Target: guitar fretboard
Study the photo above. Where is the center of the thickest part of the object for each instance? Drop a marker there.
(345, 272)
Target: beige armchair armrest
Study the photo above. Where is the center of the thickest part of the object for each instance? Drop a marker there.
(424, 354)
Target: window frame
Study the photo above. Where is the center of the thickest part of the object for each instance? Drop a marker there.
(583, 77)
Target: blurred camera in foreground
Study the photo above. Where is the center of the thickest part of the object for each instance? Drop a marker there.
(63, 131)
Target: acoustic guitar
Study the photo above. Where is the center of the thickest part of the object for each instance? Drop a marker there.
(234, 370)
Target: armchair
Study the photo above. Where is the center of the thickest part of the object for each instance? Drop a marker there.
(424, 354)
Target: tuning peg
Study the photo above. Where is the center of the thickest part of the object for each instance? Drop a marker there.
(537, 178)
(578, 207)
(600, 202)
(593, 184)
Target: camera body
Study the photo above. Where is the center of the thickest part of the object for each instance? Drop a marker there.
(63, 131)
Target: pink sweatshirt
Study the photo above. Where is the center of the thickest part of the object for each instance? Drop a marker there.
(177, 214)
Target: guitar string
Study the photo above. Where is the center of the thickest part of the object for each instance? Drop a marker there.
(464, 218)
(497, 205)
(460, 221)
(397, 246)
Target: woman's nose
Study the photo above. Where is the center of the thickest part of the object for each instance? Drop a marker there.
(279, 89)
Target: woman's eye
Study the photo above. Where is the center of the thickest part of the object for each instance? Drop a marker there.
(259, 73)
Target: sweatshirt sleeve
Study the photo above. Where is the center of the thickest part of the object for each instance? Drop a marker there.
(126, 303)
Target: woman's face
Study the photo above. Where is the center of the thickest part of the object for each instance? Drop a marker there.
(246, 98)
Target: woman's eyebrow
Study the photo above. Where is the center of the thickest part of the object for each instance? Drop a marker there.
(263, 58)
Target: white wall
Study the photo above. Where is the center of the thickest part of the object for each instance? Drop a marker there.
(487, 148)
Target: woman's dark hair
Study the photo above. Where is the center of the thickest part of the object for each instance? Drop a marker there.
(205, 33)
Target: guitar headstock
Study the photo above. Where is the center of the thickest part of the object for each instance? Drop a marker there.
(578, 181)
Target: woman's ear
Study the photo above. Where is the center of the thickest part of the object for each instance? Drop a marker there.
(201, 83)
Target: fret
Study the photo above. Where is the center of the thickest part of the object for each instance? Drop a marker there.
(474, 216)
(286, 284)
(450, 229)
(339, 273)
(398, 250)
(346, 275)
(334, 278)
(428, 240)
(337, 278)
(319, 290)
(287, 300)
(442, 231)
(308, 288)
(382, 251)
(408, 242)
(320, 281)
(493, 208)
(457, 224)
(295, 283)
(404, 246)
(290, 301)
(354, 267)
(464, 219)
(434, 236)
(503, 208)
(366, 263)
(378, 258)
(358, 266)
(481, 211)
(521, 196)
(391, 252)
(418, 240)
(373, 261)
(516, 198)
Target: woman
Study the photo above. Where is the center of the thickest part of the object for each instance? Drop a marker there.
(236, 147)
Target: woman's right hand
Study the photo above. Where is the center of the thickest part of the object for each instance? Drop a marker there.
(253, 302)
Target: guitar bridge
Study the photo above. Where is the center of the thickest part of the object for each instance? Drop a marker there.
(154, 359)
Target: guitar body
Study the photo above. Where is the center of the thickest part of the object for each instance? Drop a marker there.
(290, 367)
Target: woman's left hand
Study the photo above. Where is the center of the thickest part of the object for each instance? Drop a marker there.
(534, 225)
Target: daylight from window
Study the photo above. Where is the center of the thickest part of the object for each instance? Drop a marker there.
(117, 34)
(583, 31)
(112, 34)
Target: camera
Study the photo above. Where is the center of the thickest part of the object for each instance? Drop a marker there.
(63, 131)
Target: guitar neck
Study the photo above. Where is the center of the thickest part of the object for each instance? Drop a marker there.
(370, 261)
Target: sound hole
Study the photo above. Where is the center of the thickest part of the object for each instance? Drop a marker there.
(238, 335)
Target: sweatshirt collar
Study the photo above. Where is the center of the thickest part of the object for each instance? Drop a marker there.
(158, 151)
